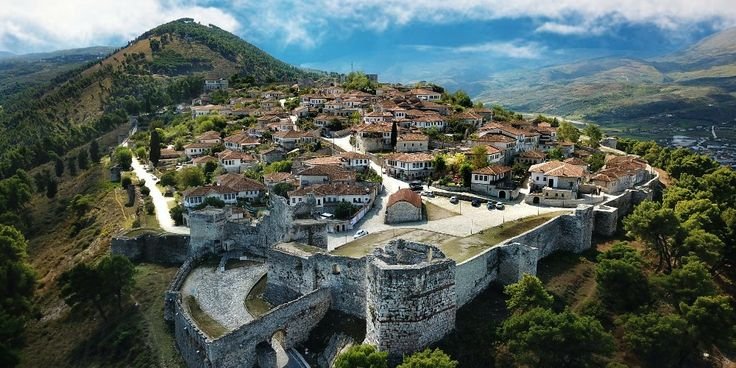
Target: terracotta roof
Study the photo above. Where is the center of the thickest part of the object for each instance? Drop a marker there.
(207, 189)
(491, 150)
(405, 195)
(377, 128)
(209, 135)
(539, 155)
(334, 173)
(239, 183)
(410, 157)
(620, 160)
(575, 161)
(200, 145)
(330, 189)
(235, 155)
(558, 168)
(279, 177)
(413, 137)
(325, 160)
(203, 160)
(169, 153)
(293, 134)
(495, 138)
(242, 139)
(354, 155)
(493, 170)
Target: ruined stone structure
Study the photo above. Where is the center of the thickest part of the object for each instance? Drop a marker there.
(408, 293)
(410, 297)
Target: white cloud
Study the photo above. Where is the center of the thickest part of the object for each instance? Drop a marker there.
(516, 49)
(34, 25)
(44, 24)
(304, 22)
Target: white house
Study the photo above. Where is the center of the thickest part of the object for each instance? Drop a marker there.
(197, 149)
(241, 142)
(236, 161)
(331, 194)
(425, 94)
(412, 142)
(291, 138)
(246, 188)
(556, 179)
(494, 180)
(195, 196)
(409, 165)
(209, 136)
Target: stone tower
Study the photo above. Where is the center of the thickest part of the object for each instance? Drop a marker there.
(411, 299)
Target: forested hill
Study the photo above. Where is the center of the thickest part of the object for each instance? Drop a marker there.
(164, 66)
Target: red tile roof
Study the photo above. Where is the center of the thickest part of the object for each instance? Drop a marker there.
(405, 195)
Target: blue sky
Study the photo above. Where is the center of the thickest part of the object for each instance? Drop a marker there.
(401, 40)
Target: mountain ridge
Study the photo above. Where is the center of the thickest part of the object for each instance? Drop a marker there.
(163, 66)
(691, 87)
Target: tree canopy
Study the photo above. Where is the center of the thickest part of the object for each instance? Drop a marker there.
(363, 356)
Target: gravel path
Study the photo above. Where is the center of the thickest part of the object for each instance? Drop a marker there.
(222, 294)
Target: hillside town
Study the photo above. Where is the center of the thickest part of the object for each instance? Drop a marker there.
(335, 152)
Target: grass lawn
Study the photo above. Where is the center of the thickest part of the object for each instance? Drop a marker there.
(457, 248)
(206, 323)
(255, 303)
(462, 249)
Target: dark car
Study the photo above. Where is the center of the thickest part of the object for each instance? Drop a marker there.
(491, 205)
(475, 203)
(416, 185)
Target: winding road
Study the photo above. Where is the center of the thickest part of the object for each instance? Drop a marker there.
(160, 202)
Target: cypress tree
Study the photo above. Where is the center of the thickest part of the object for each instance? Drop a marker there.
(394, 135)
(155, 149)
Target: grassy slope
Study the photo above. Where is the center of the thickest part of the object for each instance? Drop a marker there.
(61, 337)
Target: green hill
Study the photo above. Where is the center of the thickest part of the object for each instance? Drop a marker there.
(696, 86)
(165, 65)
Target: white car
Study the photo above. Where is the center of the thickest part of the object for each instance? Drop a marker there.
(360, 233)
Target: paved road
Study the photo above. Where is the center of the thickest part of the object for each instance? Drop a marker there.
(159, 201)
(469, 219)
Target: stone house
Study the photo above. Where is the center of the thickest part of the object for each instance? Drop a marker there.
(271, 155)
(270, 180)
(373, 137)
(403, 206)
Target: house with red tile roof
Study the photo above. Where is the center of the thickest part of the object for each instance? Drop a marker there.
(403, 206)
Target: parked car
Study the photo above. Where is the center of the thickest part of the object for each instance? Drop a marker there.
(499, 206)
(491, 205)
(416, 185)
(453, 200)
(428, 193)
(475, 203)
(360, 233)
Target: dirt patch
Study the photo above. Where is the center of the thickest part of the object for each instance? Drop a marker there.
(435, 212)
(255, 303)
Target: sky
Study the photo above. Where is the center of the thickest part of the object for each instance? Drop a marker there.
(398, 39)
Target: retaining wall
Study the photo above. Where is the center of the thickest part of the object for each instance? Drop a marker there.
(153, 248)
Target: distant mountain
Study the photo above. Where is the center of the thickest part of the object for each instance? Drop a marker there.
(20, 72)
(696, 86)
(4, 54)
(70, 106)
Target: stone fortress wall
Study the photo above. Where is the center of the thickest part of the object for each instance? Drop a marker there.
(408, 293)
